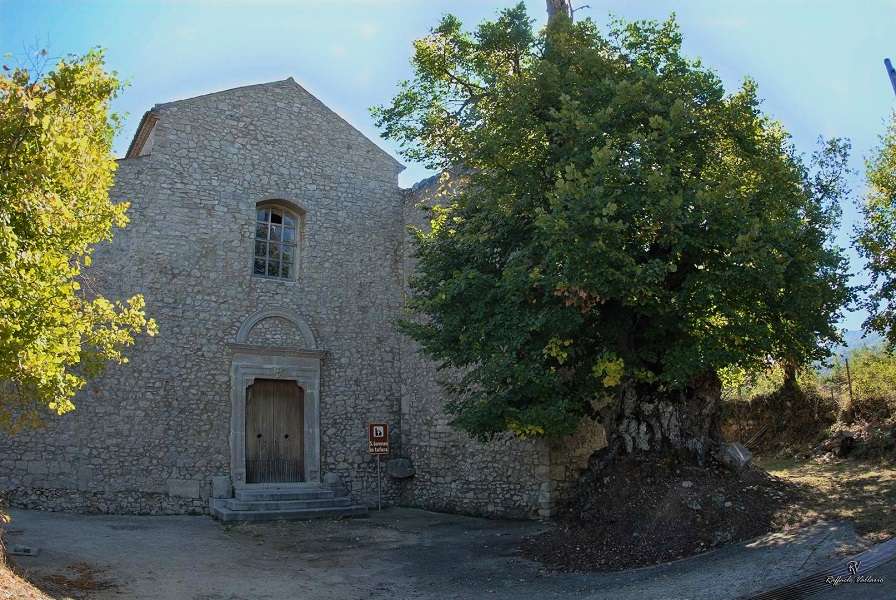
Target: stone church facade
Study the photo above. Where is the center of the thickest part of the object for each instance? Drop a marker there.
(269, 238)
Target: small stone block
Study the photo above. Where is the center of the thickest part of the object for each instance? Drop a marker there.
(333, 481)
(400, 468)
(221, 487)
(734, 456)
(20, 550)
(183, 488)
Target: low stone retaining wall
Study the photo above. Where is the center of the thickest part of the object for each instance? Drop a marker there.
(134, 503)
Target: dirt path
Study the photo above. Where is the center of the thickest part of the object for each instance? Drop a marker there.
(860, 491)
(397, 554)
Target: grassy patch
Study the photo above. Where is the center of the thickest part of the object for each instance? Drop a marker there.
(13, 587)
(861, 491)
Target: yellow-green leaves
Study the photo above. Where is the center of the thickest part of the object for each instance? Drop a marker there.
(609, 369)
(57, 168)
(732, 377)
(524, 430)
(557, 349)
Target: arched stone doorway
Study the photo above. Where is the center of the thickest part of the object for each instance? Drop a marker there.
(274, 393)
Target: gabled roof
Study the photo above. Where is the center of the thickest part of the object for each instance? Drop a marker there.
(143, 130)
(151, 116)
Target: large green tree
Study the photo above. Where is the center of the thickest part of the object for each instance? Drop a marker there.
(621, 229)
(876, 236)
(56, 168)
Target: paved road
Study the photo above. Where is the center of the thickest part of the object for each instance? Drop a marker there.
(867, 591)
(869, 575)
(397, 554)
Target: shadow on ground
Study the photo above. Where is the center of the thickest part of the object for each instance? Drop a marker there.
(860, 491)
(395, 554)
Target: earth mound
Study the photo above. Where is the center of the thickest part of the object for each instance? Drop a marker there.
(647, 509)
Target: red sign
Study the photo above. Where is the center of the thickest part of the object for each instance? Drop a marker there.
(377, 438)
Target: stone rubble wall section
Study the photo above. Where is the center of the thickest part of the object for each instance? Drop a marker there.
(274, 331)
(569, 458)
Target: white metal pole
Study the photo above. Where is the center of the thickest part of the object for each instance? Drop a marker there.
(379, 485)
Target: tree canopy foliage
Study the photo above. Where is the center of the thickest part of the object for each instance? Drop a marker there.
(56, 168)
(876, 237)
(620, 219)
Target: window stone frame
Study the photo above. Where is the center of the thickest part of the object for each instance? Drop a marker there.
(297, 211)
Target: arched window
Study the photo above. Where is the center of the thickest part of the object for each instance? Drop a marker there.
(276, 235)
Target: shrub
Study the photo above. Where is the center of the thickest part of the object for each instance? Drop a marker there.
(873, 372)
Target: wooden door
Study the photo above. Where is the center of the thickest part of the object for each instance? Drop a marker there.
(275, 424)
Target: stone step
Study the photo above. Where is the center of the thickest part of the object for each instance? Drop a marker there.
(276, 495)
(234, 504)
(222, 513)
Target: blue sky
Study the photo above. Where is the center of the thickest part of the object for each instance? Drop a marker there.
(819, 63)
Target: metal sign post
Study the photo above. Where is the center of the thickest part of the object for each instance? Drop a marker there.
(891, 72)
(378, 444)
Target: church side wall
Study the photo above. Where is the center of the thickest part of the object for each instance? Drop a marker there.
(506, 478)
(148, 436)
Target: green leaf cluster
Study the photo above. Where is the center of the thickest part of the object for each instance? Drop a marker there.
(876, 236)
(618, 217)
(56, 169)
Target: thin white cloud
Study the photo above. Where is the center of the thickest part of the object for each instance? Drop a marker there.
(363, 78)
(735, 23)
(314, 3)
(368, 30)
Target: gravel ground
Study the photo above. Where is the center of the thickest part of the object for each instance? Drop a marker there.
(860, 491)
(395, 554)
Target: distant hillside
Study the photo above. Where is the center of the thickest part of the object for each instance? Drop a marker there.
(858, 339)
(854, 339)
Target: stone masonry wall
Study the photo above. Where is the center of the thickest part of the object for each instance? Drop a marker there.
(569, 458)
(507, 477)
(148, 436)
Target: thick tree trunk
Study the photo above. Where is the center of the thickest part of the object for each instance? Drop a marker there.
(791, 389)
(646, 420)
(559, 7)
